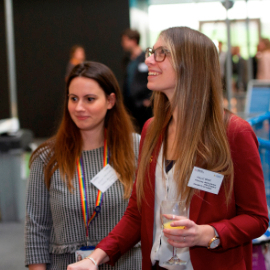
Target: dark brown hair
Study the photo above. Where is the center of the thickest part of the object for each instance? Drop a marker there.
(132, 34)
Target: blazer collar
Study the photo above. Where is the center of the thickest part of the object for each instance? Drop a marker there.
(150, 192)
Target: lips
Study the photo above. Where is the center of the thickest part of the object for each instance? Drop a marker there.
(81, 117)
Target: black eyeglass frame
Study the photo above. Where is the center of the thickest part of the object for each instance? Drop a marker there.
(149, 51)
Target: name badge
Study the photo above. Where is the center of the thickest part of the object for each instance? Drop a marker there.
(205, 180)
(83, 252)
(105, 178)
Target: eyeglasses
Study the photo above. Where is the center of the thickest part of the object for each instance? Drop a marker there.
(159, 53)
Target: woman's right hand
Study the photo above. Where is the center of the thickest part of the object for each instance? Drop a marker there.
(84, 264)
(192, 235)
(99, 257)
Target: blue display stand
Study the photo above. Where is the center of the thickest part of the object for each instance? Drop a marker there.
(261, 127)
(258, 97)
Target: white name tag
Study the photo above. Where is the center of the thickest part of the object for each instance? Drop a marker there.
(105, 178)
(82, 253)
(205, 180)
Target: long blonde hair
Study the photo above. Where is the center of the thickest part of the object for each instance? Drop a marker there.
(63, 149)
(201, 138)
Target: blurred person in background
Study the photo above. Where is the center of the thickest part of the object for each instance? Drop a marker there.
(263, 58)
(239, 70)
(255, 62)
(136, 94)
(77, 56)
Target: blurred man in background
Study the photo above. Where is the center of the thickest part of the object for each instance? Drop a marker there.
(135, 91)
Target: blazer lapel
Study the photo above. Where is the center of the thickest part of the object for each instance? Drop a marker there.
(195, 205)
(150, 193)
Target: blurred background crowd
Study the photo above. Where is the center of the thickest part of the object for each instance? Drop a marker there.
(46, 33)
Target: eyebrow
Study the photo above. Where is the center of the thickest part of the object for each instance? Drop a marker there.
(93, 95)
(163, 47)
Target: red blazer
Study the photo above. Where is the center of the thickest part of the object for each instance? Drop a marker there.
(245, 218)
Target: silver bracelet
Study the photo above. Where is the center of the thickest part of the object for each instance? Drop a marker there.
(91, 259)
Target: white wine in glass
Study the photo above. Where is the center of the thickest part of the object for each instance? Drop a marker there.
(177, 208)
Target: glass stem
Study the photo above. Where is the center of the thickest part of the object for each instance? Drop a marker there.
(174, 251)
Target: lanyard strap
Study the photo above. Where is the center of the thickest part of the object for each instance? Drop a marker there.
(83, 191)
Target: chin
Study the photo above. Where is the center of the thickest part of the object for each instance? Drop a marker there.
(152, 88)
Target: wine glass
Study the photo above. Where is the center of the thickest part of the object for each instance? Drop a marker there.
(177, 208)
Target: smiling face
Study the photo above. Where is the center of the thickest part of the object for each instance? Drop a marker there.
(88, 104)
(161, 75)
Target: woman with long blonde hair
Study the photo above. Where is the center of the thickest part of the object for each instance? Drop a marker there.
(67, 213)
(193, 151)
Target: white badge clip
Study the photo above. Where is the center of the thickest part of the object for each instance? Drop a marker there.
(105, 178)
(205, 180)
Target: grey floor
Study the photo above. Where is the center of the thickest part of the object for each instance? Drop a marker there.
(12, 246)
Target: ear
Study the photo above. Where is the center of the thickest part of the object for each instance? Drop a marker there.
(111, 99)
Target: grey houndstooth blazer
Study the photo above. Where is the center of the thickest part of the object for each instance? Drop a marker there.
(54, 226)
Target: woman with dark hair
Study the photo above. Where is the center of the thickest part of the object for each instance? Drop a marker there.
(194, 151)
(96, 140)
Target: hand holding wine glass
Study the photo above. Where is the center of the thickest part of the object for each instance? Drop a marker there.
(172, 208)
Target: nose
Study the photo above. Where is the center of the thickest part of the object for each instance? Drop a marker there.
(150, 60)
(79, 106)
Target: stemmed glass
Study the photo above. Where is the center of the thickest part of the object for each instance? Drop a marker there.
(177, 208)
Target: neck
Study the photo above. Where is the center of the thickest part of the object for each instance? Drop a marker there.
(136, 52)
(92, 139)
